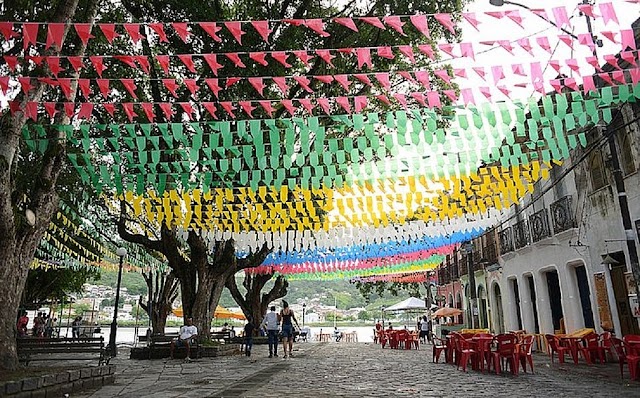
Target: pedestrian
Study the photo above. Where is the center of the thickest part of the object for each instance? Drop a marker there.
(270, 324)
(287, 317)
(23, 321)
(248, 336)
(75, 327)
(424, 329)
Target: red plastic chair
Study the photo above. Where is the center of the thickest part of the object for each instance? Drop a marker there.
(553, 343)
(524, 354)
(632, 351)
(591, 345)
(605, 342)
(467, 353)
(439, 346)
(483, 346)
(382, 338)
(618, 347)
(507, 352)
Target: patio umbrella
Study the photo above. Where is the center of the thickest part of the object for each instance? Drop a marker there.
(220, 313)
(447, 311)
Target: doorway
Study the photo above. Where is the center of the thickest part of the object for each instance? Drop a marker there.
(585, 296)
(516, 294)
(534, 304)
(628, 323)
(482, 303)
(555, 300)
(499, 323)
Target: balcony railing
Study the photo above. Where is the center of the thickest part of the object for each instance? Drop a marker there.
(539, 223)
(521, 234)
(490, 253)
(506, 240)
(562, 216)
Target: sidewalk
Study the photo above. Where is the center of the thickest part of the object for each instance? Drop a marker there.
(354, 370)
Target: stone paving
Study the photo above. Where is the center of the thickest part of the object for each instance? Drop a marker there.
(354, 370)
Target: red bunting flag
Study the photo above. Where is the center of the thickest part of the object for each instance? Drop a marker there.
(187, 60)
(159, 29)
(25, 84)
(192, 86)
(171, 85)
(259, 57)
(76, 62)
(110, 108)
(4, 84)
(163, 61)
(128, 109)
(54, 65)
(281, 57)
(167, 109)
(348, 22)
(134, 31)
(182, 29)
(212, 61)
(98, 65)
(288, 104)
(55, 34)
(213, 86)
(306, 104)
(11, 61)
(109, 31)
(50, 108)
(257, 83)
(317, 25)
(212, 29)
(235, 58)
(85, 110)
(395, 23)
(6, 30)
(127, 59)
(29, 34)
(143, 61)
(84, 32)
(65, 86)
(281, 83)
(130, 86)
(69, 109)
(85, 88)
(363, 78)
(267, 106)
(147, 107)
(303, 56)
(188, 109)
(326, 56)
(229, 108)
(303, 81)
(235, 28)
(247, 107)
(36, 59)
(211, 108)
(373, 21)
(103, 86)
(262, 27)
(31, 110)
(231, 81)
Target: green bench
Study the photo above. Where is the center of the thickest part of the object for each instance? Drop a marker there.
(62, 349)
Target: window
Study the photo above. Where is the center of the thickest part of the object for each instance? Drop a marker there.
(627, 162)
(596, 167)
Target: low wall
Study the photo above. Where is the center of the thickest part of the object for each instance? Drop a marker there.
(59, 383)
(164, 352)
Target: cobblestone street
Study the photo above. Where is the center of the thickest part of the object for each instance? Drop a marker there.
(355, 370)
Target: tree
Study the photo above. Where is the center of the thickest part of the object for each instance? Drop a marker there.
(254, 303)
(367, 289)
(54, 284)
(163, 290)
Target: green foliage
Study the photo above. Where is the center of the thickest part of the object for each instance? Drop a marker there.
(133, 281)
(53, 285)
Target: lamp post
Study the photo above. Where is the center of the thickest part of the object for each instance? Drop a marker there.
(468, 249)
(121, 252)
(304, 307)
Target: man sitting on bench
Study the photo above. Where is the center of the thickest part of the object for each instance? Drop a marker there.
(186, 335)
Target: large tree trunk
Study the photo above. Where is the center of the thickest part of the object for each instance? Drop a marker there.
(254, 303)
(18, 239)
(163, 290)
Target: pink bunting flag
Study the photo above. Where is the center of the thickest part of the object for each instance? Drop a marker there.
(363, 78)
(326, 79)
(518, 69)
(629, 56)
(543, 42)
(555, 83)
(192, 86)
(229, 108)
(383, 79)
(420, 98)
(303, 81)
(348, 22)
(504, 90)
(445, 20)
(167, 110)
(50, 108)
(627, 39)
(486, 91)
(618, 76)
(294, 22)
(213, 86)
(453, 96)
(383, 98)
(359, 103)
(103, 87)
(460, 72)
(364, 57)
(555, 64)
(561, 17)
(566, 39)
(54, 65)
(536, 72)
(514, 15)
(541, 13)
(130, 86)
(212, 61)
(159, 29)
(395, 23)
(109, 31)
(163, 61)
(427, 50)
(303, 56)
(231, 81)
(97, 63)
(235, 28)
(306, 104)
(187, 60)
(326, 56)
(480, 71)
(587, 9)
(343, 80)
(324, 104)
(433, 98)
(262, 27)
(420, 23)
(85, 88)
(385, 52)
(595, 62)
(498, 73)
(407, 51)
(606, 78)
(288, 105)
(506, 44)
(471, 18)
(402, 99)
(110, 108)
(373, 21)
(495, 14)
(571, 83)
(423, 77)
(573, 64)
(466, 50)
(317, 25)
(257, 84)
(447, 48)
(147, 108)
(612, 60)
(143, 61)
(247, 107)
(235, 58)
(281, 57)
(525, 44)
(281, 83)
(259, 57)
(635, 76)
(182, 29)
(267, 106)
(128, 110)
(608, 13)
(212, 30)
(344, 104)
(211, 108)
(133, 29)
(83, 30)
(29, 34)
(443, 74)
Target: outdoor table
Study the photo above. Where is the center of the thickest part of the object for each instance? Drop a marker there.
(482, 345)
(571, 342)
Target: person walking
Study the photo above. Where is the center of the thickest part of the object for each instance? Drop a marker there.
(270, 324)
(248, 336)
(287, 316)
(424, 329)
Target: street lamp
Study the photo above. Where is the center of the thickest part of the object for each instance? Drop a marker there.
(382, 311)
(304, 307)
(468, 249)
(121, 252)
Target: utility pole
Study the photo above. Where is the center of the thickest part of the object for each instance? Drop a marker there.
(468, 249)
